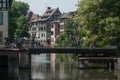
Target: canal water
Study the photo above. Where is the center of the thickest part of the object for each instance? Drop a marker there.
(43, 69)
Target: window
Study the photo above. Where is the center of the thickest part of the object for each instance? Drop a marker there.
(42, 28)
(33, 34)
(35, 23)
(52, 26)
(1, 37)
(4, 4)
(41, 34)
(51, 32)
(39, 29)
(33, 28)
(1, 3)
(62, 27)
(1, 18)
(44, 34)
(58, 25)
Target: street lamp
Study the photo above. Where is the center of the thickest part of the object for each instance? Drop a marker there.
(5, 4)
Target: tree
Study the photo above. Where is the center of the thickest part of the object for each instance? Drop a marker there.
(18, 8)
(17, 19)
(101, 20)
(97, 22)
(22, 27)
(67, 38)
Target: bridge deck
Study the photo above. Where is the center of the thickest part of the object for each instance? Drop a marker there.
(67, 50)
(106, 50)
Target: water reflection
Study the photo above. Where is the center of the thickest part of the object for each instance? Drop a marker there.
(43, 69)
(68, 71)
(99, 74)
(52, 71)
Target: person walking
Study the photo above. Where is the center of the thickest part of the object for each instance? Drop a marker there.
(38, 42)
(48, 42)
(77, 42)
(33, 42)
(19, 42)
(7, 42)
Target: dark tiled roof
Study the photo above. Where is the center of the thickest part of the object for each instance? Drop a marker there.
(48, 13)
(67, 15)
(34, 18)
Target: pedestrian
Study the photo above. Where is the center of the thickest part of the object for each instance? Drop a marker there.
(77, 42)
(7, 42)
(48, 42)
(33, 42)
(19, 42)
(38, 42)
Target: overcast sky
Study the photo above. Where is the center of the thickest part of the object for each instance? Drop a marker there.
(39, 6)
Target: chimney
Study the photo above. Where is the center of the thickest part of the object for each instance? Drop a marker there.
(48, 8)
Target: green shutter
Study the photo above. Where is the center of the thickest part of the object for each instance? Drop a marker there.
(1, 18)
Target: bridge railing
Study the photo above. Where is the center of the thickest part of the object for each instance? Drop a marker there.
(100, 51)
(107, 51)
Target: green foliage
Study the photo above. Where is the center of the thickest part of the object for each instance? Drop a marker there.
(17, 20)
(65, 58)
(97, 22)
(18, 8)
(101, 19)
(67, 38)
(22, 27)
(12, 27)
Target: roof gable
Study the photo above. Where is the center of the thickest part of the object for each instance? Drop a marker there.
(48, 13)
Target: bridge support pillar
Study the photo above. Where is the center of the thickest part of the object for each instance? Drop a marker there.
(25, 64)
(3, 67)
(29, 59)
(118, 63)
(23, 60)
